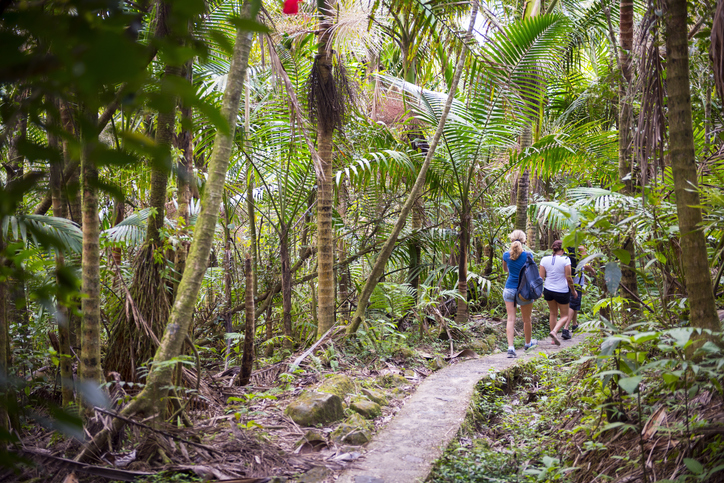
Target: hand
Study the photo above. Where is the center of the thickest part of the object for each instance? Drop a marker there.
(575, 294)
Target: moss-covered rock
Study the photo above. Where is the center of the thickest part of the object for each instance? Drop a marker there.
(480, 346)
(354, 431)
(437, 363)
(312, 408)
(492, 340)
(392, 380)
(366, 408)
(339, 385)
(312, 437)
(405, 352)
(375, 396)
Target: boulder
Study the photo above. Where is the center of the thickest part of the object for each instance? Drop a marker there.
(366, 408)
(375, 396)
(312, 408)
(339, 385)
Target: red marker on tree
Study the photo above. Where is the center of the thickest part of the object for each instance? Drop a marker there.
(291, 7)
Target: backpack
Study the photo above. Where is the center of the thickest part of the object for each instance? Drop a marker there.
(530, 283)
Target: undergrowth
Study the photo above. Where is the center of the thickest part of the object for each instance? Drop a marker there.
(638, 410)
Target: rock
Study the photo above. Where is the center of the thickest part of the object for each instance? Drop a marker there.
(312, 437)
(492, 342)
(312, 408)
(365, 407)
(339, 384)
(437, 363)
(351, 435)
(315, 475)
(354, 431)
(405, 352)
(392, 380)
(480, 346)
(375, 396)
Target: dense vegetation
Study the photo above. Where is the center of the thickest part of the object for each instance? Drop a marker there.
(195, 186)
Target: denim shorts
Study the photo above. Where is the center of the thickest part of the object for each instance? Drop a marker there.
(509, 294)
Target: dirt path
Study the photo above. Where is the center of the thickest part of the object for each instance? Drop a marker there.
(403, 452)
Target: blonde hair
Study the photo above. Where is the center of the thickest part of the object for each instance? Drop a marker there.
(517, 239)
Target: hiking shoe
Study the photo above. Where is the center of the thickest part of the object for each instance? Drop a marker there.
(574, 328)
(511, 353)
(532, 344)
(566, 334)
(555, 338)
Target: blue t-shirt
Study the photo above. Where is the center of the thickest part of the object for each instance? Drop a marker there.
(514, 267)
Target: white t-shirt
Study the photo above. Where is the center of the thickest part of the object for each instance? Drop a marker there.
(556, 273)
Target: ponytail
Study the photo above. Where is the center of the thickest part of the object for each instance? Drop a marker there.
(516, 247)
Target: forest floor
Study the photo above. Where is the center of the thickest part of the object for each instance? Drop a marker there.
(244, 432)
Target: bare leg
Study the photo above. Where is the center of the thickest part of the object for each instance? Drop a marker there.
(510, 326)
(573, 320)
(526, 311)
(553, 315)
(564, 317)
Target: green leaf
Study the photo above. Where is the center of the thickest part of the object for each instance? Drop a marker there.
(694, 466)
(612, 275)
(681, 336)
(622, 255)
(630, 384)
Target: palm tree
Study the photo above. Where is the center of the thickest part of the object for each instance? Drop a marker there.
(683, 165)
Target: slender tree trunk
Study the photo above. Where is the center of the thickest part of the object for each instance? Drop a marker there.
(325, 191)
(286, 287)
(521, 201)
(344, 279)
(683, 165)
(90, 370)
(247, 360)
(62, 314)
(388, 247)
(250, 207)
(4, 341)
(628, 273)
(185, 176)
(461, 316)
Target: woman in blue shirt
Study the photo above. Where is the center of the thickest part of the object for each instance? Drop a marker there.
(513, 261)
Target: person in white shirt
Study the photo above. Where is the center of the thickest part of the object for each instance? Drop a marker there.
(558, 287)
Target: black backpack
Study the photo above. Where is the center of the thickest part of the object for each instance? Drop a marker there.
(530, 283)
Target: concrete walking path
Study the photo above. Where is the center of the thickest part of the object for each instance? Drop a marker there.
(404, 451)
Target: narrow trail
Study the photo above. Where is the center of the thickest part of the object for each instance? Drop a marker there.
(404, 451)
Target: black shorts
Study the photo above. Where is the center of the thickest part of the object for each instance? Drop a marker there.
(560, 297)
(575, 303)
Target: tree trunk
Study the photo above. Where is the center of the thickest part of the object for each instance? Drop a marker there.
(185, 177)
(4, 340)
(628, 273)
(286, 287)
(521, 201)
(388, 247)
(461, 316)
(683, 165)
(62, 314)
(325, 191)
(247, 358)
(181, 315)
(250, 207)
(90, 368)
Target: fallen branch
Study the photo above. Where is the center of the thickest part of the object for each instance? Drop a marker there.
(168, 435)
(102, 471)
